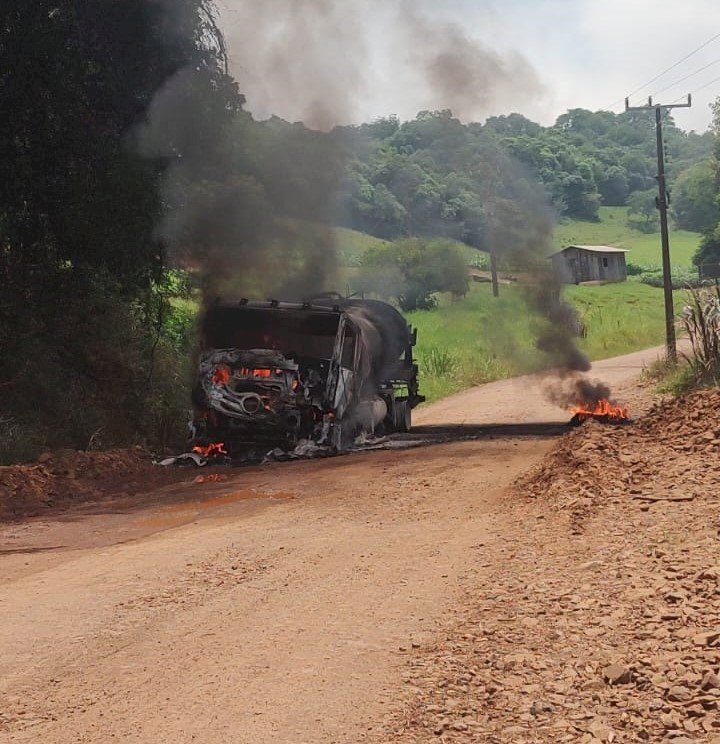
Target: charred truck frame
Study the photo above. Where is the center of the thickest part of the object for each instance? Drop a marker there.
(326, 370)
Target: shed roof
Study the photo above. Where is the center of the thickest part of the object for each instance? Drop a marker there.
(593, 249)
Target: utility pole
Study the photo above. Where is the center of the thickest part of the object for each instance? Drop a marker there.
(494, 274)
(662, 205)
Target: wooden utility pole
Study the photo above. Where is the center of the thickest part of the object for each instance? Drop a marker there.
(662, 205)
(494, 274)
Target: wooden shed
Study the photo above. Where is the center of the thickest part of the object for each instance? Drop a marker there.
(590, 263)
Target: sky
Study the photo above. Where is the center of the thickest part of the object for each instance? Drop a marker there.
(330, 62)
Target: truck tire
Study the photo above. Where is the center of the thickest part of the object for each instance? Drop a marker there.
(403, 416)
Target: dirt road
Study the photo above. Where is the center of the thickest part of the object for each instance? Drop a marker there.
(277, 605)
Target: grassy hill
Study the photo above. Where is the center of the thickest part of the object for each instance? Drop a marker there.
(612, 229)
(351, 245)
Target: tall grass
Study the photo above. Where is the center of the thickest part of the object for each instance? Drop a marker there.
(620, 318)
(701, 319)
(438, 362)
(474, 340)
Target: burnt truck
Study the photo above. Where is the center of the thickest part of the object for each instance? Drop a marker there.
(326, 370)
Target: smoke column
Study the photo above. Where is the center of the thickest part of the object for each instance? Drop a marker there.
(232, 211)
(520, 233)
(321, 61)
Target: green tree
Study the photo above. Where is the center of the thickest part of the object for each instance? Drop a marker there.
(613, 186)
(441, 177)
(80, 259)
(642, 211)
(413, 270)
(694, 205)
(709, 251)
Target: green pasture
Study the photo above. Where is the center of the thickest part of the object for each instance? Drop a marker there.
(612, 229)
(479, 339)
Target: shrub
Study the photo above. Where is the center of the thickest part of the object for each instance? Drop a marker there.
(709, 250)
(437, 362)
(413, 270)
(701, 320)
(480, 261)
(682, 278)
(642, 211)
(125, 380)
(673, 377)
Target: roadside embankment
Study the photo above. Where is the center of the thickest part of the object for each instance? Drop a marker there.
(598, 617)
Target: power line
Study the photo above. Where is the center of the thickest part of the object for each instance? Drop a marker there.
(707, 85)
(664, 72)
(702, 87)
(687, 77)
(672, 67)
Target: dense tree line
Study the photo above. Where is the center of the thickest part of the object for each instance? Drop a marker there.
(82, 267)
(434, 175)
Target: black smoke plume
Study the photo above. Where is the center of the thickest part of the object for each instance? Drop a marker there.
(317, 61)
(568, 389)
(234, 210)
(520, 234)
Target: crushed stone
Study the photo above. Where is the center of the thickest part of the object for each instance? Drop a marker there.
(595, 616)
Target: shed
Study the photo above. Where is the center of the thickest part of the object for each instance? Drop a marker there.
(590, 263)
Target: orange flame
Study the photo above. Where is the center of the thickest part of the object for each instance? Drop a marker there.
(221, 375)
(262, 372)
(603, 409)
(215, 448)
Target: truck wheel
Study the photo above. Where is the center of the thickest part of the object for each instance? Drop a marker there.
(388, 423)
(403, 416)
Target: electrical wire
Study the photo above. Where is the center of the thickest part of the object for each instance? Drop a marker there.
(697, 90)
(672, 67)
(687, 77)
(664, 72)
(707, 85)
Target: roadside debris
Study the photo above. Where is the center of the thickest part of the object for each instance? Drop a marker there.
(306, 449)
(646, 462)
(210, 478)
(212, 454)
(60, 477)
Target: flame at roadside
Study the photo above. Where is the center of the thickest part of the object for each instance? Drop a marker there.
(603, 409)
(212, 450)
